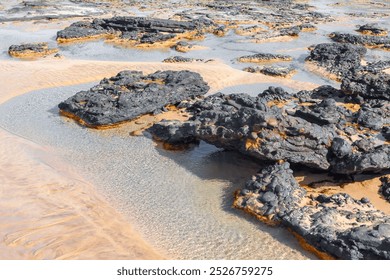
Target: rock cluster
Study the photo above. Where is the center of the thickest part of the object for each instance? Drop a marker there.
(131, 94)
(31, 50)
(338, 225)
(372, 29)
(327, 129)
(136, 29)
(337, 58)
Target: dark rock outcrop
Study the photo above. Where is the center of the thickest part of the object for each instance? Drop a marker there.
(181, 59)
(339, 59)
(303, 128)
(372, 29)
(264, 57)
(274, 70)
(368, 85)
(131, 94)
(337, 225)
(364, 40)
(140, 29)
(385, 188)
(31, 50)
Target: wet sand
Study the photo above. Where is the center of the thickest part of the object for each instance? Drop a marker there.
(48, 212)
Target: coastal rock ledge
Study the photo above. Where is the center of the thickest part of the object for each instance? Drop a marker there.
(131, 94)
(327, 130)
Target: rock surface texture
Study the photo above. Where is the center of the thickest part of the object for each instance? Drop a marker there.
(131, 94)
(30, 50)
(137, 30)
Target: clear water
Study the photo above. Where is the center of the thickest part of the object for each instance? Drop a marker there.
(179, 201)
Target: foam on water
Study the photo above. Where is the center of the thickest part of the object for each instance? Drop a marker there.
(179, 201)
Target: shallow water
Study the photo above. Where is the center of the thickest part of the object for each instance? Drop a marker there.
(179, 201)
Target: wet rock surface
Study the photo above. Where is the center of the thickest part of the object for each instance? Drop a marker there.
(337, 58)
(31, 50)
(181, 59)
(139, 29)
(274, 70)
(302, 128)
(337, 225)
(385, 188)
(382, 42)
(264, 57)
(372, 29)
(131, 94)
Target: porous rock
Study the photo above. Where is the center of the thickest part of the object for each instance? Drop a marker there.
(131, 94)
(337, 225)
(31, 50)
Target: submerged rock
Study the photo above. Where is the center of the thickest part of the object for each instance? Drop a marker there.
(264, 57)
(131, 94)
(303, 128)
(337, 225)
(274, 70)
(31, 50)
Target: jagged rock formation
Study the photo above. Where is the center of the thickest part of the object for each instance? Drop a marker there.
(136, 29)
(372, 29)
(385, 188)
(337, 225)
(31, 50)
(382, 42)
(304, 128)
(131, 94)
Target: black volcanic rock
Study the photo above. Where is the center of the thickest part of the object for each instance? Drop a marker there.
(302, 128)
(339, 59)
(263, 57)
(30, 50)
(131, 94)
(181, 59)
(368, 85)
(372, 29)
(385, 188)
(337, 225)
(364, 40)
(274, 70)
(149, 30)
